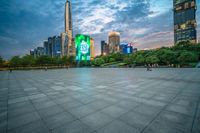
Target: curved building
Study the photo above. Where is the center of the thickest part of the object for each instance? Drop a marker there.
(114, 42)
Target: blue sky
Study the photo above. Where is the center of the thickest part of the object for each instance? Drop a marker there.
(24, 24)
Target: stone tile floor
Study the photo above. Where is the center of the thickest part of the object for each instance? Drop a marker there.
(100, 101)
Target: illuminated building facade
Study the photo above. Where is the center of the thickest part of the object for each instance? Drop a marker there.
(185, 21)
(83, 46)
(114, 42)
(126, 48)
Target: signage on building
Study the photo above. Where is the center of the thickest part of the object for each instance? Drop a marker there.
(83, 45)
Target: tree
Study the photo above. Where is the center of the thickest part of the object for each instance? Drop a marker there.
(187, 57)
(112, 60)
(15, 61)
(64, 60)
(183, 45)
(152, 59)
(28, 60)
(105, 58)
(56, 60)
(72, 60)
(99, 62)
(117, 56)
(84, 63)
(187, 45)
(128, 60)
(140, 59)
(93, 62)
(44, 60)
(167, 56)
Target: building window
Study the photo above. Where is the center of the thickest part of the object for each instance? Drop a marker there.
(183, 26)
(186, 6)
(178, 8)
(192, 4)
(176, 27)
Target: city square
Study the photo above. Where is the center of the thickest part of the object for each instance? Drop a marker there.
(100, 100)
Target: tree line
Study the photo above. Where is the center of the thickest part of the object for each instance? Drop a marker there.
(182, 54)
(31, 61)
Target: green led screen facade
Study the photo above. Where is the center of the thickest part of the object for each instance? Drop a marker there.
(82, 47)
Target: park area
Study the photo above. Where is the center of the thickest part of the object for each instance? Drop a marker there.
(100, 100)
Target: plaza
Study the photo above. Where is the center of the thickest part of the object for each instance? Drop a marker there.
(100, 100)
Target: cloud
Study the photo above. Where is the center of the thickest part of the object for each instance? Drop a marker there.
(147, 42)
(24, 24)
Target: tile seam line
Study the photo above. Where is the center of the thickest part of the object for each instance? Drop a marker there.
(142, 131)
(84, 116)
(50, 130)
(8, 75)
(194, 118)
(19, 82)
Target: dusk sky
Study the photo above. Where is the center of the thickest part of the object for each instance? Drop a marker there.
(25, 24)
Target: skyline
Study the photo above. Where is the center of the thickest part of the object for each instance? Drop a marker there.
(25, 24)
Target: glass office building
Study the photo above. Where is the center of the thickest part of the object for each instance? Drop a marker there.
(126, 48)
(56, 46)
(185, 21)
(104, 48)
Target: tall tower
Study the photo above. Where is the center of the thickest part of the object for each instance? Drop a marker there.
(67, 35)
(185, 21)
(68, 17)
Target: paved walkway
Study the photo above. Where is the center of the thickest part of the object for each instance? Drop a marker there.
(100, 101)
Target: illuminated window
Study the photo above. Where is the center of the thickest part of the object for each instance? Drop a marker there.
(183, 26)
(192, 4)
(178, 8)
(186, 5)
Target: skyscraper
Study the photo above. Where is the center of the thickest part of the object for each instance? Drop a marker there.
(50, 44)
(185, 21)
(46, 47)
(104, 48)
(69, 49)
(114, 42)
(56, 46)
(68, 17)
(64, 43)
